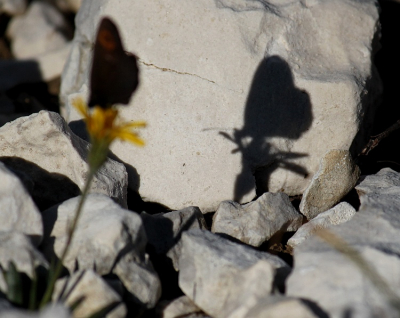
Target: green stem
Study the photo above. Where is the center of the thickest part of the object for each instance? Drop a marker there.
(59, 266)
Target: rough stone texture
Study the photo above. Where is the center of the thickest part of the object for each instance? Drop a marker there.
(108, 239)
(12, 7)
(340, 213)
(18, 211)
(16, 247)
(164, 230)
(45, 140)
(97, 294)
(274, 306)
(298, 91)
(324, 275)
(41, 29)
(255, 222)
(215, 271)
(336, 176)
(50, 311)
(180, 307)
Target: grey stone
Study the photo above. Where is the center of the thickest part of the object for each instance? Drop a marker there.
(303, 86)
(18, 212)
(340, 286)
(108, 239)
(50, 311)
(93, 289)
(42, 28)
(13, 7)
(17, 248)
(336, 176)
(44, 140)
(164, 230)
(215, 271)
(255, 222)
(180, 307)
(339, 214)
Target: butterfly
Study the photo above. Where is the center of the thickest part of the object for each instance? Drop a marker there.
(114, 75)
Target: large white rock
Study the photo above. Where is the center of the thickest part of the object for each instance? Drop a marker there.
(108, 239)
(18, 212)
(46, 140)
(217, 274)
(280, 82)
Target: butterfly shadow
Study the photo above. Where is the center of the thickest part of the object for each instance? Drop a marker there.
(275, 107)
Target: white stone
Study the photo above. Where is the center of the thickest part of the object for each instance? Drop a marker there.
(40, 30)
(108, 239)
(215, 272)
(12, 7)
(50, 311)
(339, 214)
(254, 223)
(95, 292)
(273, 306)
(336, 176)
(338, 285)
(164, 230)
(180, 307)
(46, 140)
(284, 80)
(18, 212)
(17, 248)
(68, 5)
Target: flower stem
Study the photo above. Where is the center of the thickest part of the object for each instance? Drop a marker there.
(54, 275)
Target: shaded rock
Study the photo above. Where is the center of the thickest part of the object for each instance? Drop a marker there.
(215, 271)
(254, 223)
(271, 117)
(18, 212)
(16, 247)
(41, 29)
(13, 7)
(68, 5)
(338, 285)
(50, 311)
(108, 239)
(45, 140)
(340, 213)
(94, 292)
(164, 230)
(336, 176)
(180, 307)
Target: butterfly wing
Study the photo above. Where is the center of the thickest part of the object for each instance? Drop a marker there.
(115, 74)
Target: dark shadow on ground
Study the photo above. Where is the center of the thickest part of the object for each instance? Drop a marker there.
(274, 108)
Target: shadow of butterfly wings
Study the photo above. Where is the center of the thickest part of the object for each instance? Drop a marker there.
(114, 75)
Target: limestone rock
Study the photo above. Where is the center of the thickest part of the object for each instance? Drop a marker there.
(215, 272)
(16, 247)
(339, 214)
(68, 5)
(18, 212)
(265, 89)
(180, 307)
(254, 223)
(164, 230)
(95, 292)
(339, 286)
(12, 7)
(108, 239)
(41, 29)
(336, 176)
(50, 311)
(45, 141)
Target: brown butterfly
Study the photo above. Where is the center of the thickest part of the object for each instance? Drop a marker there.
(115, 74)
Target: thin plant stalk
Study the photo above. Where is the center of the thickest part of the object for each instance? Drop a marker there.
(54, 275)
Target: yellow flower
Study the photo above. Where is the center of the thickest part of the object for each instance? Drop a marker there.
(104, 126)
